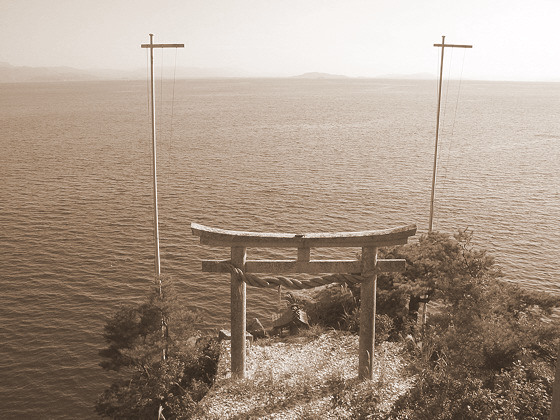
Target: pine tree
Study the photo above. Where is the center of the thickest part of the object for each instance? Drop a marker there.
(137, 337)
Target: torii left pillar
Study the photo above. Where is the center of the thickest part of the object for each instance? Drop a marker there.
(239, 314)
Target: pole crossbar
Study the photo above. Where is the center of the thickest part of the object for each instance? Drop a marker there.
(162, 45)
(453, 45)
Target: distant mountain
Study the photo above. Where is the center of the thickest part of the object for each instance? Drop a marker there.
(19, 74)
(178, 73)
(15, 74)
(317, 75)
(414, 76)
(204, 73)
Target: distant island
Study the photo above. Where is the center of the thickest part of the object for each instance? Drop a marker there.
(414, 76)
(318, 75)
(23, 74)
(18, 74)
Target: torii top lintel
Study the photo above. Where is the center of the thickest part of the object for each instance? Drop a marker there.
(370, 238)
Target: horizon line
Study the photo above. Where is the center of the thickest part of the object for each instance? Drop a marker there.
(95, 74)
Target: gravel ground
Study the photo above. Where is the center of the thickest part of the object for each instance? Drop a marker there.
(305, 378)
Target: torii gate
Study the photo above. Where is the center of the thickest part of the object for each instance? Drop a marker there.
(344, 271)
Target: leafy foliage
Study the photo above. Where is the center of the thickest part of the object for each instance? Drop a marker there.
(326, 306)
(488, 349)
(137, 338)
(487, 353)
(438, 265)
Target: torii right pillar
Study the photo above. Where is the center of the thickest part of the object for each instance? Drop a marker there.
(367, 313)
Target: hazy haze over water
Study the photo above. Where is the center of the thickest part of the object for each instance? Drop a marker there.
(265, 155)
(513, 40)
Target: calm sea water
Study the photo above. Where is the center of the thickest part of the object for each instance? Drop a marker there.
(263, 155)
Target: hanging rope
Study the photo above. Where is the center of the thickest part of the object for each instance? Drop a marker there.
(291, 283)
(148, 78)
(445, 163)
(441, 151)
(458, 93)
(441, 130)
(173, 99)
(160, 109)
(454, 119)
(445, 179)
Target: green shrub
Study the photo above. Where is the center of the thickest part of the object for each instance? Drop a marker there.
(327, 305)
(334, 306)
(384, 324)
(137, 337)
(176, 384)
(441, 395)
(489, 352)
(444, 392)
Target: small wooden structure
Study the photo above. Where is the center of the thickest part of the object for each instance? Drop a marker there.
(362, 271)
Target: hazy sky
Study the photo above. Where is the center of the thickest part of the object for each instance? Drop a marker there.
(512, 39)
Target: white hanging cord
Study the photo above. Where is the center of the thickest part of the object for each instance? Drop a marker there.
(172, 104)
(448, 83)
(441, 151)
(445, 180)
(458, 92)
(454, 118)
(434, 203)
(148, 78)
(160, 110)
(440, 162)
(437, 75)
(442, 127)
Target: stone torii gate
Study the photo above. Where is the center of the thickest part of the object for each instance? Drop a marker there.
(343, 271)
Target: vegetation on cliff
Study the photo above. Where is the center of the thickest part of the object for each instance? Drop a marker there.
(137, 336)
(487, 351)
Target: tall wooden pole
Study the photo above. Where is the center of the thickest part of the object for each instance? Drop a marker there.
(367, 313)
(151, 46)
(430, 224)
(154, 159)
(443, 46)
(157, 265)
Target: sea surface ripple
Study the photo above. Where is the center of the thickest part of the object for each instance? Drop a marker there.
(265, 155)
